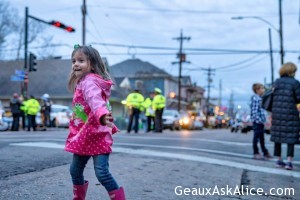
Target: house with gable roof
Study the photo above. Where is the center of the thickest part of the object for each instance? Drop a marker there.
(137, 74)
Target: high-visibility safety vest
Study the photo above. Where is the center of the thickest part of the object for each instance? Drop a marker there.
(32, 106)
(148, 107)
(159, 102)
(135, 100)
(23, 106)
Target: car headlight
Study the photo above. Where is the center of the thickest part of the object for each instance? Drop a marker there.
(184, 121)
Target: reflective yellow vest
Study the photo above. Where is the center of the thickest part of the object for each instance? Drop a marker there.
(159, 102)
(148, 107)
(23, 106)
(32, 106)
(135, 100)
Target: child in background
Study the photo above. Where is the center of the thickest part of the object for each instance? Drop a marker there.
(258, 119)
(91, 126)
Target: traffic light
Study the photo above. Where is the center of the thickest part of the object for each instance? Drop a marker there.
(61, 25)
(32, 62)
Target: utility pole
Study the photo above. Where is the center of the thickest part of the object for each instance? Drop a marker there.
(24, 88)
(26, 38)
(271, 57)
(231, 105)
(281, 32)
(32, 57)
(209, 71)
(83, 10)
(220, 93)
(182, 59)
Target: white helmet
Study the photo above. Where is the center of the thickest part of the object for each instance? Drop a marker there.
(45, 96)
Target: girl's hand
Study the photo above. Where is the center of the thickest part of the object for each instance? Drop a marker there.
(107, 120)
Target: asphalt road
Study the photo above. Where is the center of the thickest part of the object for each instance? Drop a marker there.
(29, 153)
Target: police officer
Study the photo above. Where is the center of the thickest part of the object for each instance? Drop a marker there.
(158, 105)
(134, 101)
(149, 112)
(32, 108)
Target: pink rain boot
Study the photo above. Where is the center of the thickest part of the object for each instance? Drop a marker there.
(117, 194)
(79, 191)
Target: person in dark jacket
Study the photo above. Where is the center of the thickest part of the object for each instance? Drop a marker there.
(285, 116)
(15, 105)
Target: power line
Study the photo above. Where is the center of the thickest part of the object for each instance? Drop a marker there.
(193, 49)
(230, 65)
(99, 34)
(238, 63)
(186, 11)
(244, 66)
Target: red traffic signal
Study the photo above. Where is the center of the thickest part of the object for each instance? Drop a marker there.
(61, 25)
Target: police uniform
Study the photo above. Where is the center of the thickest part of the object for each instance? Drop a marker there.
(134, 101)
(158, 105)
(149, 113)
(32, 108)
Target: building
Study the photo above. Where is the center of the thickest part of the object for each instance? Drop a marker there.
(192, 94)
(51, 77)
(135, 73)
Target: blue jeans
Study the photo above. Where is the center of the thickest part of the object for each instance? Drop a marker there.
(101, 170)
(259, 135)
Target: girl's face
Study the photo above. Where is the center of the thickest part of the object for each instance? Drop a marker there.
(80, 64)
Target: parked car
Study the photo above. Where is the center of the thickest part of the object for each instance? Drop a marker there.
(171, 119)
(190, 122)
(59, 117)
(3, 125)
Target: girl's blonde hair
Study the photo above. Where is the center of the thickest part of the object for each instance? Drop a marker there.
(96, 62)
(288, 69)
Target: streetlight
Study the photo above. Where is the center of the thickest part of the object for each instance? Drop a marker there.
(258, 18)
(279, 31)
(270, 40)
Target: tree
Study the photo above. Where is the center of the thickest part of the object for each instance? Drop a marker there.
(12, 33)
(35, 36)
(8, 22)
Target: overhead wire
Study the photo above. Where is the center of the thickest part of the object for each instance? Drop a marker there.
(238, 63)
(243, 66)
(186, 11)
(99, 34)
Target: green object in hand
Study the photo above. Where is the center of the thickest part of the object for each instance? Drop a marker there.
(79, 112)
(108, 106)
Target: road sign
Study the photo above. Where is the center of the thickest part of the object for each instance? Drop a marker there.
(19, 72)
(16, 78)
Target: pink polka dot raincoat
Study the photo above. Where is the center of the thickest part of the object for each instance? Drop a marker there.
(87, 135)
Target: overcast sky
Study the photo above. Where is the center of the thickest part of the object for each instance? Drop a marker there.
(156, 22)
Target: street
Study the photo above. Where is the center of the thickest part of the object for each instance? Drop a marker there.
(149, 166)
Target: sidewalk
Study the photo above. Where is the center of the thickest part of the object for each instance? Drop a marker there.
(144, 178)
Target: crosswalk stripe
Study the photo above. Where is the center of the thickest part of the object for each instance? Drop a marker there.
(194, 139)
(177, 156)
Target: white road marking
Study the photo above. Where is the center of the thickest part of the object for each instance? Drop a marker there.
(177, 156)
(194, 149)
(160, 138)
(196, 139)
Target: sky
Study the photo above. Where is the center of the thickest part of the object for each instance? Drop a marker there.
(157, 22)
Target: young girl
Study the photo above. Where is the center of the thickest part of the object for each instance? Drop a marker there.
(91, 125)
